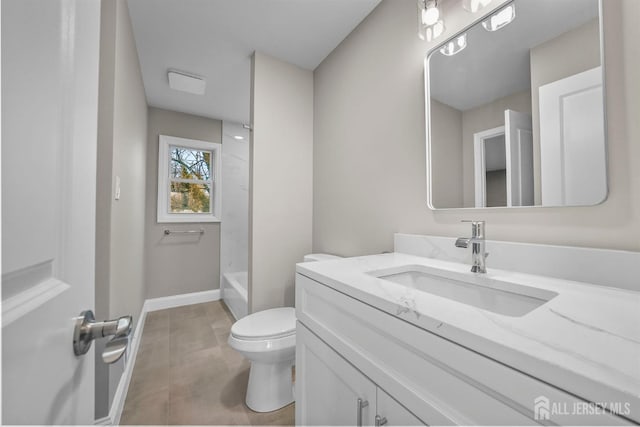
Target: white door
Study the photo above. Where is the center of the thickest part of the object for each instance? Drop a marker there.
(487, 160)
(572, 141)
(328, 387)
(50, 52)
(519, 153)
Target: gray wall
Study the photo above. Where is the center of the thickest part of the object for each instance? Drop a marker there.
(568, 54)
(178, 264)
(496, 188)
(369, 143)
(446, 129)
(481, 118)
(452, 133)
(122, 136)
(280, 194)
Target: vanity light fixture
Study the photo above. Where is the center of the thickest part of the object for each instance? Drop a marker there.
(500, 19)
(454, 46)
(238, 137)
(430, 24)
(186, 82)
(475, 5)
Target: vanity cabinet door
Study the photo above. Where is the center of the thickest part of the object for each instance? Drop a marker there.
(389, 410)
(328, 387)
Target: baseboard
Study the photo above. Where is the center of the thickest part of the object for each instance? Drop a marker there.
(149, 305)
(180, 300)
(104, 421)
(117, 405)
(233, 313)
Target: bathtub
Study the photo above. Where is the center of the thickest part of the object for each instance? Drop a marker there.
(234, 293)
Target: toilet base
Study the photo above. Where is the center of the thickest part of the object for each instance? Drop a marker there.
(270, 386)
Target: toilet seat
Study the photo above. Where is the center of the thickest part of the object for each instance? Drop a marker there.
(266, 348)
(270, 324)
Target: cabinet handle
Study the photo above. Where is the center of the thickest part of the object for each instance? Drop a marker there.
(380, 421)
(361, 405)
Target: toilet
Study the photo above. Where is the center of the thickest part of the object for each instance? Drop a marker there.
(268, 339)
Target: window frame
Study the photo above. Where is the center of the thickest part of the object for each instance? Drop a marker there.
(163, 213)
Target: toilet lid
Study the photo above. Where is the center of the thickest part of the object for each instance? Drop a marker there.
(273, 323)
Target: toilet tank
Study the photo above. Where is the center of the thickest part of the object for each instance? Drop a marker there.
(319, 257)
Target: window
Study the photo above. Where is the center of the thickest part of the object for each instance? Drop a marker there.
(188, 180)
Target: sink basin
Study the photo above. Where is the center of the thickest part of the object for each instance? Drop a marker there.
(497, 296)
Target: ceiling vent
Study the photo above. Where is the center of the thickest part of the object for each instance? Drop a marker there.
(185, 82)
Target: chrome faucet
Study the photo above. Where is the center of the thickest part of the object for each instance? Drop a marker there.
(478, 252)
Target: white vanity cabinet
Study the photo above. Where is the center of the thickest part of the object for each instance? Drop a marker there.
(392, 412)
(331, 391)
(348, 350)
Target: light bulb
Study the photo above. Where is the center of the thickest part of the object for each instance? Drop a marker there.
(430, 24)
(454, 47)
(434, 31)
(438, 29)
(430, 15)
(475, 5)
(500, 18)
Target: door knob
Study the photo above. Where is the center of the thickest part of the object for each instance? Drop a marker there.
(114, 349)
(87, 329)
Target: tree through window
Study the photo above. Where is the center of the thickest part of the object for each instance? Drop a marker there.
(188, 180)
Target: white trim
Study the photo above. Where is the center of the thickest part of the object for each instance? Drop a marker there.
(149, 305)
(480, 172)
(117, 405)
(215, 181)
(180, 300)
(104, 421)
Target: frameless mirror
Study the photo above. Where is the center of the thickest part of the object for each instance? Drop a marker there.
(515, 109)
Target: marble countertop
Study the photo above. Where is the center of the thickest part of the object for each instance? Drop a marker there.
(586, 340)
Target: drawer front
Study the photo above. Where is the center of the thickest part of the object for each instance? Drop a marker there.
(439, 381)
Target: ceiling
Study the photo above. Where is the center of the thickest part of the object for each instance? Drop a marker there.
(215, 39)
(497, 64)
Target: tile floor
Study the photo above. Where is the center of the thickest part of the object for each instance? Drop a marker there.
(186, 373)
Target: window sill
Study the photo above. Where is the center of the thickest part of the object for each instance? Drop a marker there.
(191, 218)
